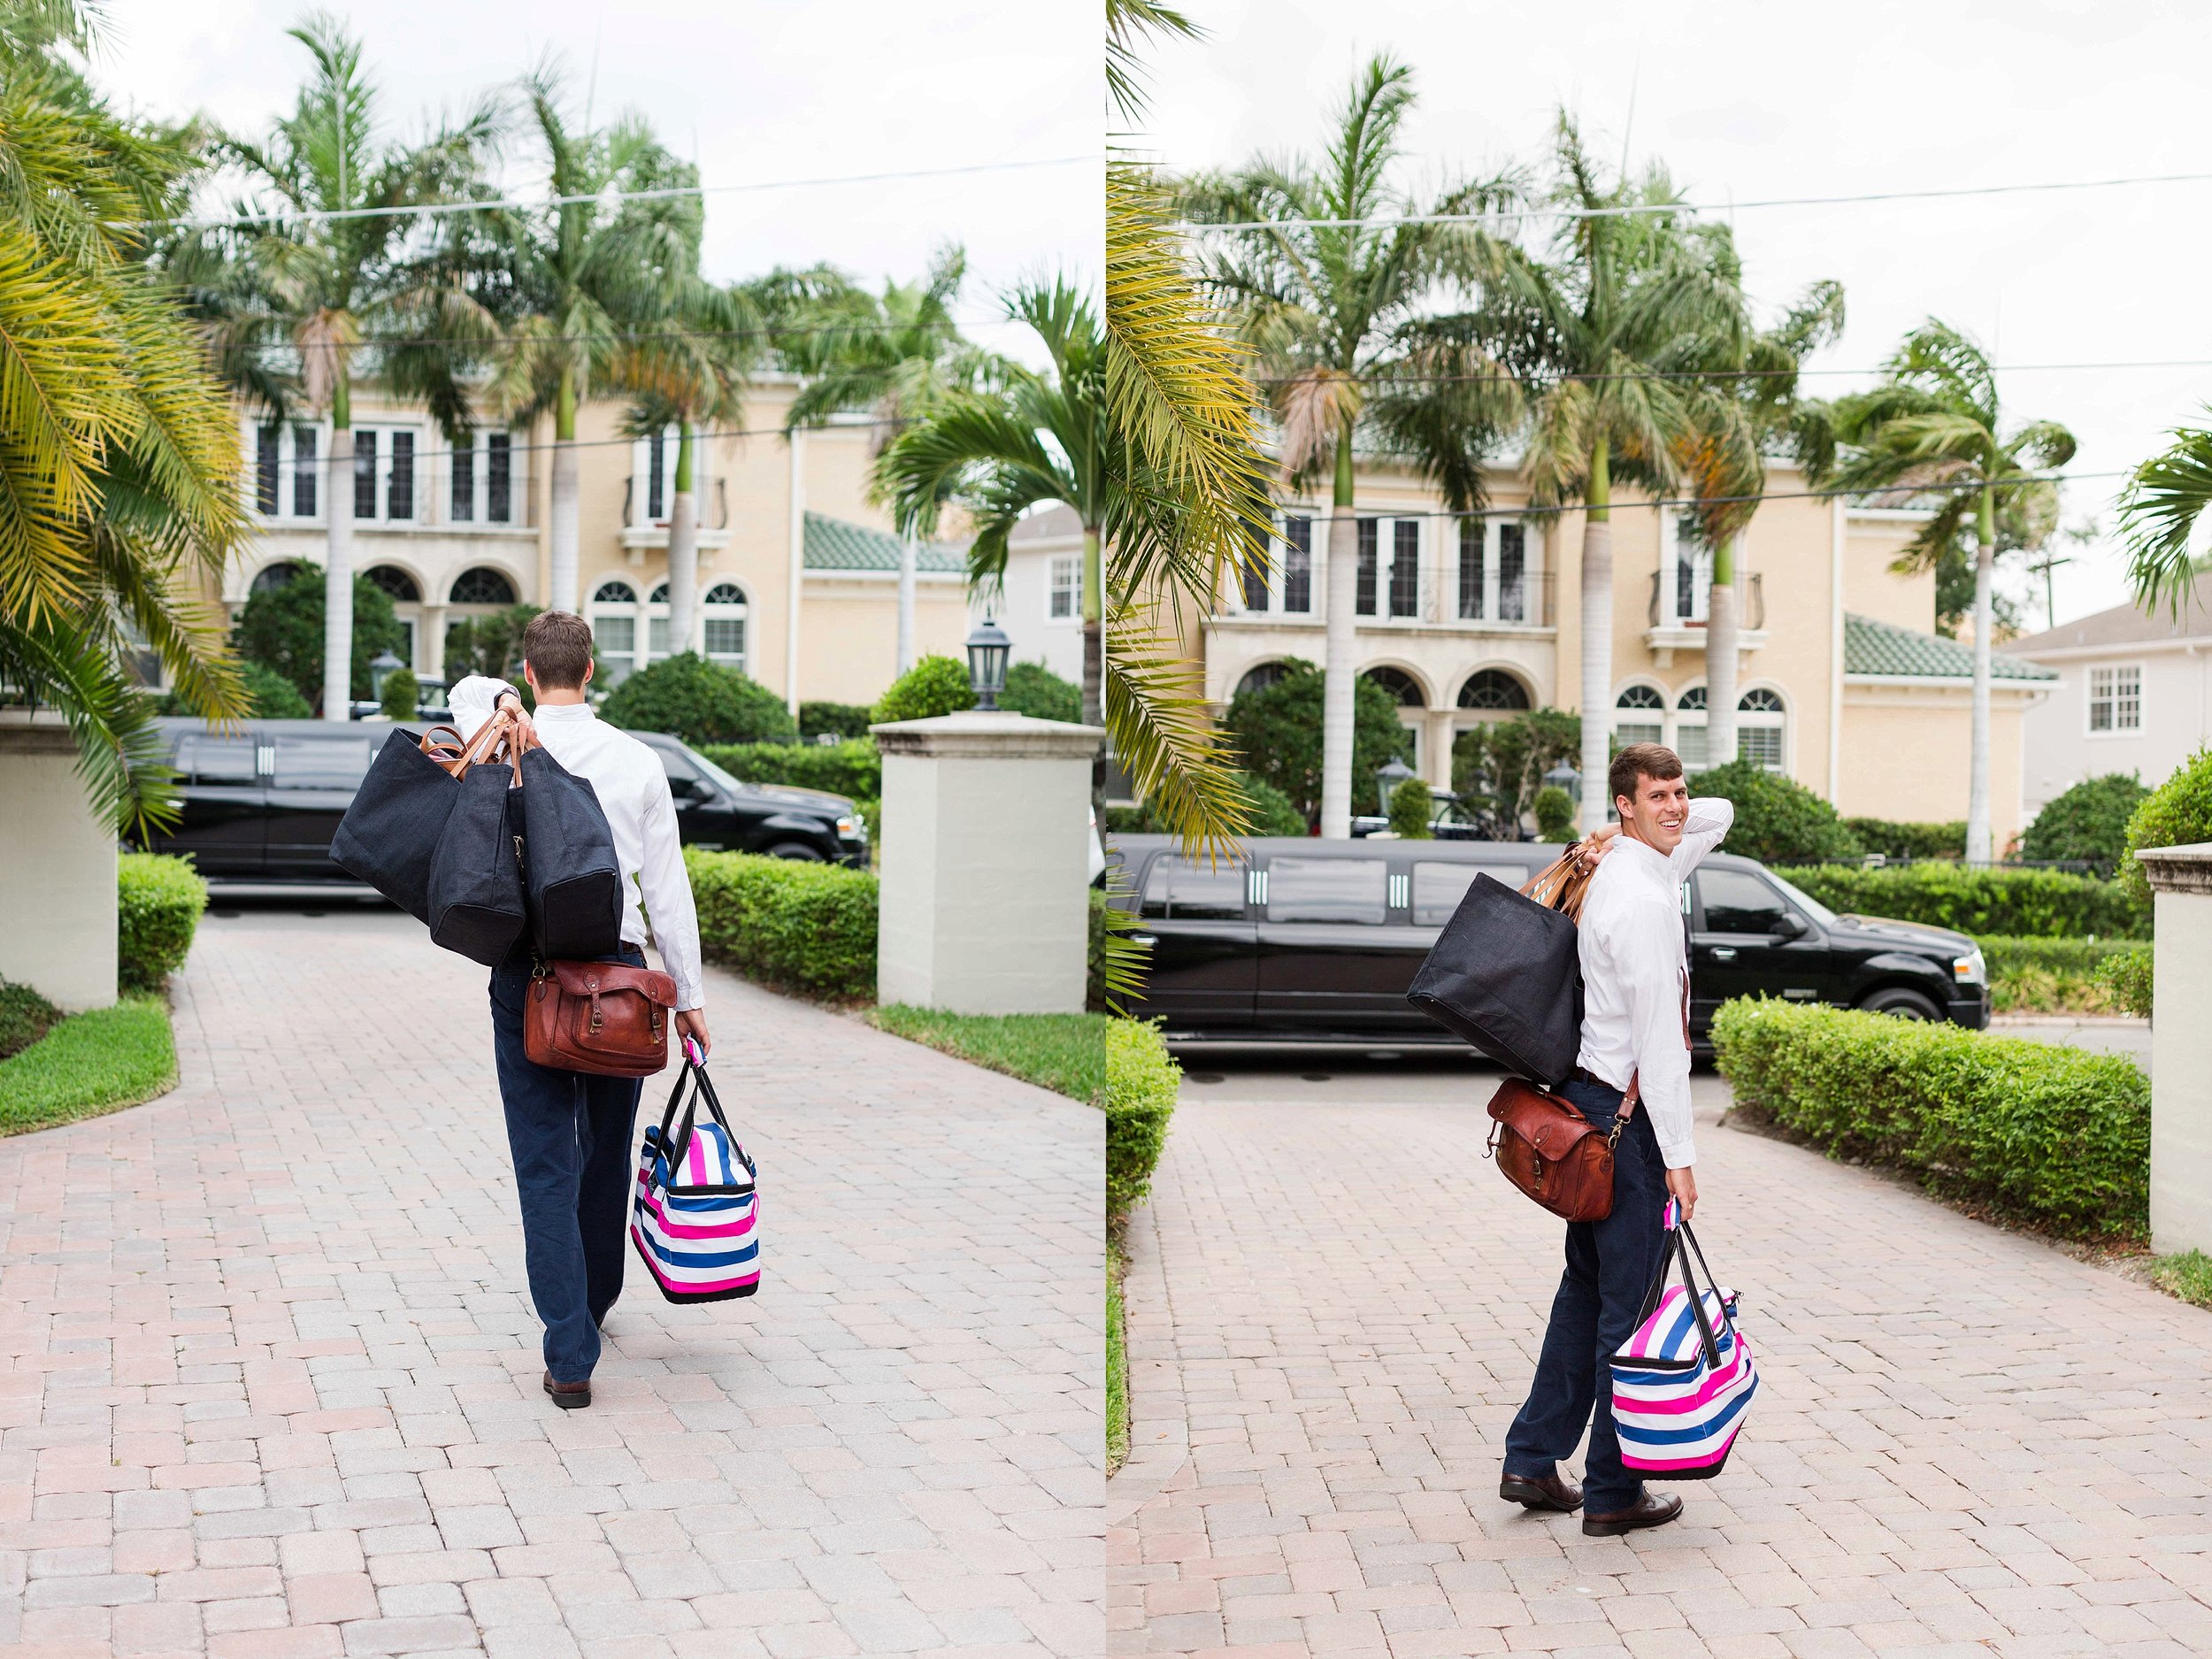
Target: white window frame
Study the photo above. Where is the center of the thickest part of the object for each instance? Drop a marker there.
(600, 610)
(287, 470)
(642, 479)
(1654, 720)
(1386, 568)
(1680, 720)
(385, 431)
(1681, 549)
(479, 451)
(2115, 697)
(1765, 720)
(656, 610)
(1278, 570)
(1494, 526)
(713, 610)
(1064, 588)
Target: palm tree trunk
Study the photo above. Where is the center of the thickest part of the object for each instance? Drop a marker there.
(1980, 846)
(563, 596)
(1093, 627)
(683, 550)
(910, 558)
(1597, 638)
(1720, 658)
(338, 562)
(1338, 703)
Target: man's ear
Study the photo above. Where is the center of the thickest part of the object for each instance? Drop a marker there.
(586, 680)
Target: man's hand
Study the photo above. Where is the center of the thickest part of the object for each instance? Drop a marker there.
(692, 1023)
(1682, 1183)
(524, 734)
(1596, 844)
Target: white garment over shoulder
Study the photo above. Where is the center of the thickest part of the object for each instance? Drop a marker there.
(1636, 976)
(632, 790)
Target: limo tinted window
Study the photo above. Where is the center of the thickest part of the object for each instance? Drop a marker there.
(320, 762)
(1194, 889)
(1438, 887)
(204, 759)
(1327, 889)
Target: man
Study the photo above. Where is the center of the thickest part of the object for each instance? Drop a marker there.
(1635, 1026)
(569, 1130)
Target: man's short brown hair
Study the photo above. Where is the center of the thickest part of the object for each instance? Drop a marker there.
(558, 646)
(1638, 761)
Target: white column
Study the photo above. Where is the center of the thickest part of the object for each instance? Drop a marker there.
(910, 558)
(2181, 1047)
(797, 571)
(57, 869)
(338, 578)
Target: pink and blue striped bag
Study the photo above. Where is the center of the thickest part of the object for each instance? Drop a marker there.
(695, 1218)
(1684, 1380)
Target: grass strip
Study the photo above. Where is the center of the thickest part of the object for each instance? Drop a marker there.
(1117, 1359)
(2188, 1276)
(1066, 1052)
(89, 1064)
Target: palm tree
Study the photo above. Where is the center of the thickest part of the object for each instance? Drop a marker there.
(1340, 315)
(296, 275)
(2159, 510)
(118, 457)
(1936, 426)
(1619, 324)
(578, 279)
(1043, 439)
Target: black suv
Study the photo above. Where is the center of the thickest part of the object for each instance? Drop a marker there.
(1312, 940)
(260, 800)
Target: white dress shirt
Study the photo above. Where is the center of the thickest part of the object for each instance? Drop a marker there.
(1636, 978)
(632, 790)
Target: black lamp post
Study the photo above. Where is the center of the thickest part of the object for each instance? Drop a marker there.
(380, 666)
(1565, 777)
(988, 648)
(1388, 776)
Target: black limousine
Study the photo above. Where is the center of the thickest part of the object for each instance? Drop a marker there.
(1306, 940)
(260, 800)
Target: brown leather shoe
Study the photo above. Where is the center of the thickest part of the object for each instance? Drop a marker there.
(1649, 1509)
(1553, 1492)
(570, 1396)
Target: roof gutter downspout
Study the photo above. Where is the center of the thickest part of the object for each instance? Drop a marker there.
(1835, 651)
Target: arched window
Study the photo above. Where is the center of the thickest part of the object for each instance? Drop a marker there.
(1404, 689)
(1689, 729)
(614, 593)
(614, 629)
(1640, 716)
(1492, 689)
(394, 581)
(724, 613)
(1762, 726)
(1260, 678)
(480, 585)
(280, 574)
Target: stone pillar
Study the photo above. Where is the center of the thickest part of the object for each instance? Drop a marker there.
(985, 908)
(57, 869)
(2181, 1047)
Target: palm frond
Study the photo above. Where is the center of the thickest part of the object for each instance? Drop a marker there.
(2159, 511)
(1163, 733)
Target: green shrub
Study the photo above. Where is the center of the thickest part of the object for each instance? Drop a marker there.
(2127, 975)
(2050, 976)
(935, 685)
(1094, 952)
(809, 926)
(402, 694)
(851, 768)
(89, 1064)
(1779, 821)
(2078, 958)
(1410, 805)
(1141, 1081)
(1555, 811)
(281, 629)
(837, 719)
(2177, 813)
(1035, 690)
(2045, 904)
(1278, 730)
(1500, 764)
(2055, 1136)
(158, 899)
(698, 701)
(1893, 840)
(25, 1016)
(2089, 821)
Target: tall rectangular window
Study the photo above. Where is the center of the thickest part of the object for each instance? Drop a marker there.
(267, 471)
(304, 447)
(365, 475)
(499, 476)
(1066, 574)
(655, 489)
(1298, 564)
(1365, 602)
(1405, 568)
(1470, 550)
(463, 500)
(399, 495)
(1512, 572)
(2115, 699)
(1253, 579)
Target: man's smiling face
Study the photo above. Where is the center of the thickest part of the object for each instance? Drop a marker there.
(1657, 812)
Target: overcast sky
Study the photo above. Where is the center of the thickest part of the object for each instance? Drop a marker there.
(1745, 100)
(771, 89)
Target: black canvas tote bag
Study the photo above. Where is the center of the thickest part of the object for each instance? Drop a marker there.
(476, 902)
(389, 834)
(570, 877)
(1505, 975)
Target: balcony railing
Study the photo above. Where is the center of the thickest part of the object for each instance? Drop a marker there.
(718, 519)
(1670, 606)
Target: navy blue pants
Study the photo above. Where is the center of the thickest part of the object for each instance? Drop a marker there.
(1609, 1265)
(570, 1135)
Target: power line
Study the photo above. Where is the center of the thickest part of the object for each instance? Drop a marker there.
(769, 331)
(432, 210)
(1739, 374)
(1631, 210)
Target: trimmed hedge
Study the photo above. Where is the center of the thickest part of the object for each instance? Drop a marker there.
(851, 768)
(840, 720)
(2047, 903)
(933, 687)
(1893, 840)
(787, 922)
(89, 1064)
(2055, 1136)
(2050, 976)
(158, 901)
(1141, 1082)
(2127, 975)
(2089, 821)
(2179, 813)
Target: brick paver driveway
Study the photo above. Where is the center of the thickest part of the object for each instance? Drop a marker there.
(1967, 1443)
(269, 1377)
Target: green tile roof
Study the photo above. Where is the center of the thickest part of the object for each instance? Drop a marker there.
(832, 544)
(1883, 647)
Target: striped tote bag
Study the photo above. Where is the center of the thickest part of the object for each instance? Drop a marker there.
(695, 1218)
(1684, 1380)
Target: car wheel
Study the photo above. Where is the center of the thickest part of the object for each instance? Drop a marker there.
(794, 850)
(1902, 1003)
